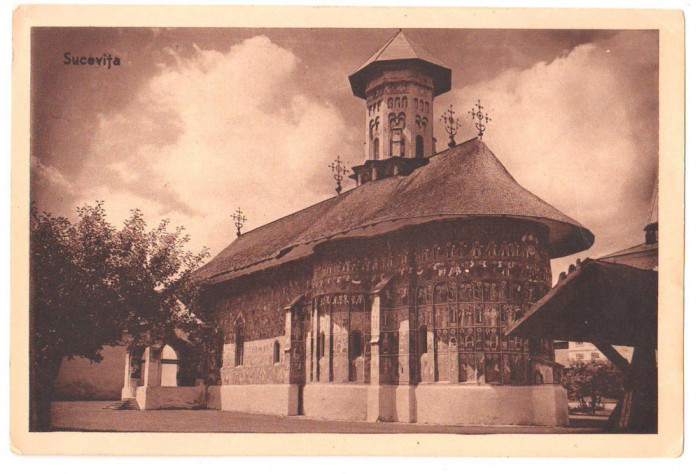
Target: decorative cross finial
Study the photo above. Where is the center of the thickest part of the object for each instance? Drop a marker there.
(482, 117)
(238, 220)
(339, 170)
(451, 125)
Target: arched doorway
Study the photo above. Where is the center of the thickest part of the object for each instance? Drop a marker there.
(168, 367)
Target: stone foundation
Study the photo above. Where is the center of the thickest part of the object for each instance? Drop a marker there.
(436, 403)
(329, 401)
(272, 399)
(491, 405)
(155, 398)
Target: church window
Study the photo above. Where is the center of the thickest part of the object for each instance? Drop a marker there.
(415, 103)
(276, 352)
(419, 147)
(322, 345)
(427, 106)
(240, 343)
(390, 103)
(422, 339)
(404, 102)
(421, 105)
(356, 344)
(375, 149)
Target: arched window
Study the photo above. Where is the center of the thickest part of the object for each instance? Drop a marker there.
(427, 106)
(390, 103)
(322, 344)
(421, 105)
(419, 146)
(422, 339)
(415, 103)
(356, 344)
(240, 343)
(404, 102)
(276, 352)
(375, 149)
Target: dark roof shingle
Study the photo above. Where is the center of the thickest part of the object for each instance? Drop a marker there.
(462, 182)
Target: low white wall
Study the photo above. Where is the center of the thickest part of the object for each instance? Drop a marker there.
(491, 405)
(213, 397)
(381, 403)
(333, 401)
(275, 399)
(154, 398)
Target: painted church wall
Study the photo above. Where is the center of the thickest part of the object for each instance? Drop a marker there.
(257, 365)
(450, 290)
(461, 283)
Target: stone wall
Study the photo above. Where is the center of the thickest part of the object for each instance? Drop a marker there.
(80, 379)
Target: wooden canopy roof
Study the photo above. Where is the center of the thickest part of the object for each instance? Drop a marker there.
(598, 302)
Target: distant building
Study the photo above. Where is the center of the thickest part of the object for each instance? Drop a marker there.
(567, 353)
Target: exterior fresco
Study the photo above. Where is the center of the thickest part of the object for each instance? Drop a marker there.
(451, 289)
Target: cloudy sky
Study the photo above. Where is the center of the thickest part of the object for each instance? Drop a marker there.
(196, 122)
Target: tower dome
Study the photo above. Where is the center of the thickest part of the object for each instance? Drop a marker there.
(399, 83)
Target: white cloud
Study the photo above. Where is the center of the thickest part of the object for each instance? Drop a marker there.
(579, 133)
(214, 132)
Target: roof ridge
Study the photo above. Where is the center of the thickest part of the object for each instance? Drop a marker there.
(386, 45)
(415, 45)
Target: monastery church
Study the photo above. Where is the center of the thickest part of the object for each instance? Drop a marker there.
(390, 301)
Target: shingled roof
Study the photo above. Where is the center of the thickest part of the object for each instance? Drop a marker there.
(463, 182)
(401, 48)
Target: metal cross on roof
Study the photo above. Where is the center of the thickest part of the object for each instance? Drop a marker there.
(339, 171)
(451, 125)
(238, 220)
(482, 117)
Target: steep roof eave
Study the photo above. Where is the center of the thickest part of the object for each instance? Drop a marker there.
(375, 208)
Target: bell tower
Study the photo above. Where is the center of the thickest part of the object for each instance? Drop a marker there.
(399, 83)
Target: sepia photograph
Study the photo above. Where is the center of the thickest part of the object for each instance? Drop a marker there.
(436, 229)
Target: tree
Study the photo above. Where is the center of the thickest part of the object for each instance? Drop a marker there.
(91, 284)
(592, 381)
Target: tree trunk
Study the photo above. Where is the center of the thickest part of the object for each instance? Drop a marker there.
(41, 389)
